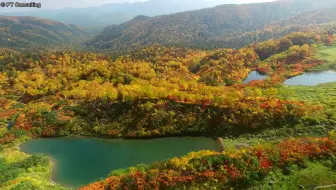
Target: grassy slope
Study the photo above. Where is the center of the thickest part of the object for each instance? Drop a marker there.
(323, 94)
(316, 174)
(20, 171)
(328, 54)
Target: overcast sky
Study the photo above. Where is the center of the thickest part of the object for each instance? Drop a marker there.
(59, 4)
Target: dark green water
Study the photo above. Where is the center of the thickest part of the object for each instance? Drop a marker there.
(79, 161)
(312, 78)
(254, 75)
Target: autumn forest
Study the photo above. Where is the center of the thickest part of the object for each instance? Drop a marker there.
(166, 90)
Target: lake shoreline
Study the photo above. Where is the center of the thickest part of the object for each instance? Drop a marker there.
(130, 138)
(51, 160)
(254, 76)
(312, 78)
(76, 154)
(53, 167)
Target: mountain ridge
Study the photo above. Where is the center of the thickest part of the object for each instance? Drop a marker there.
(201, 28)
(96, 18)
(30, 32)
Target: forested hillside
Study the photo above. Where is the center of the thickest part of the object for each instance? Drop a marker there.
(231, 26)
(179, 75)
(163, 91)
(30, 32)
(160, 91)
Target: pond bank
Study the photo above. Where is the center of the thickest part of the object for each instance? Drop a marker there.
(75, 156)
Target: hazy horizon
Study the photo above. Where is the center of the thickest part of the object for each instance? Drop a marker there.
(64, 4)
(93, 15)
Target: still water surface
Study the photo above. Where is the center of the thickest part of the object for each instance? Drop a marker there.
(254, 75)
(79, 161)
(312, 78)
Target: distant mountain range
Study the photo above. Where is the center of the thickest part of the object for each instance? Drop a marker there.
(222, 26)
(30, 32)
(96, 18)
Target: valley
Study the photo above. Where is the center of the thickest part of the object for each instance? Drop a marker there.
(144, 104)
(128, 100)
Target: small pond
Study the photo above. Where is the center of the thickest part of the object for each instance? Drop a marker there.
(79, 161)
(254, 75)
(312, 78)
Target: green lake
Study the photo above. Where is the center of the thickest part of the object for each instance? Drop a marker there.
(79, 161)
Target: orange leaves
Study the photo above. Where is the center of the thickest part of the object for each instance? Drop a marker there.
(295, 150)
(7, 113)
(265, 163)
(330, 39)
(232, 172)
(7, 138)
(22, 123)
(62, 117)
(294, 74)
(114, 182)
(207, 174)
(48, 132)
(94, 186)
(53, 56)
(264, 70)
(113, 133)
